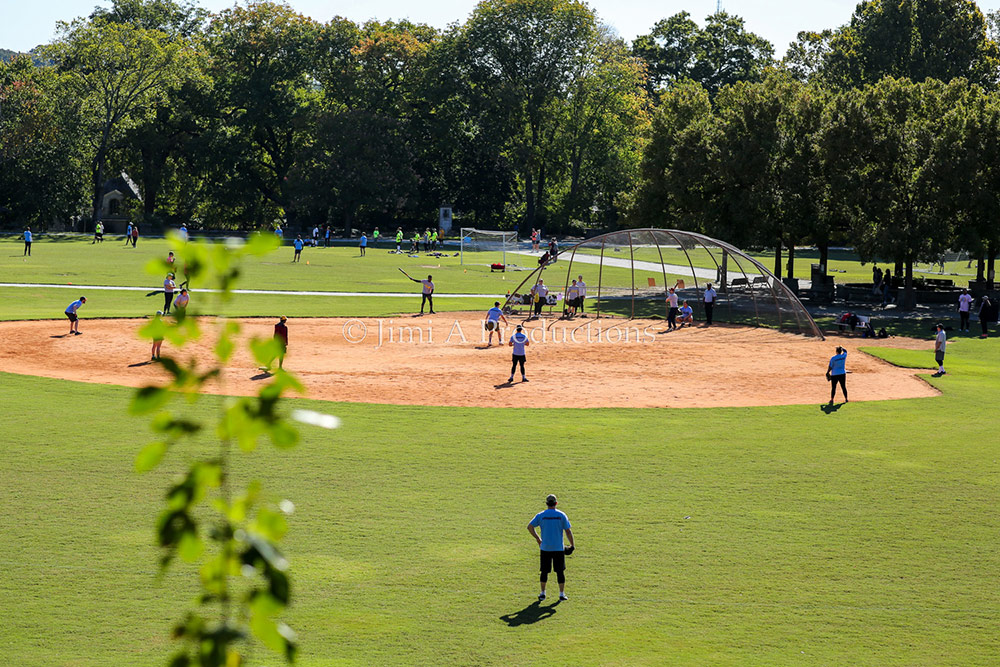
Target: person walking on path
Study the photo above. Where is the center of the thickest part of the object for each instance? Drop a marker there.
(128, 235)
(363, 244)
(940, 342)
(27, 242)
(426, 293)
(492, 324)
(552, 552)
(135, 235)
(964, 306)
(74, 321)
(985, 313)
(672, 312)
(710, 296)
(168, 292)
(518, 341)
(836, 373)
(297, 244)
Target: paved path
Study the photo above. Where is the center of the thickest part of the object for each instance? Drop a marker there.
(116, 288)
(706, 275)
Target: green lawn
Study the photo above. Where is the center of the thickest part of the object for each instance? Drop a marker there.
(771, 536)
(67, 260)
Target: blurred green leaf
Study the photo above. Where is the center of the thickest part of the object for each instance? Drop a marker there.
(270, 524)
(261, 244)
(150, 456)
(283, 435)
(190, 546)
(148, 399)
(265, 350)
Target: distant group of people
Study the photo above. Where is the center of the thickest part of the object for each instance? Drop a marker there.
(986, 312)
(882, 284)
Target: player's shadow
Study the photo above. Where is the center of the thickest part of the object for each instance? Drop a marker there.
(262, 376)
(141, 363)
(59, 336)
(533, 613)
(504, 385)
(829, 408)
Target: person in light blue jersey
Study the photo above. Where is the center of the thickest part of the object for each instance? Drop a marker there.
(297, 244)
(27, 241)
(552, 552)
(493, 317)
(518, 341)
(836, 373)
(74, 321)
(363, 245)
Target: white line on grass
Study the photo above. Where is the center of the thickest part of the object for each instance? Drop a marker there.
(259, 291)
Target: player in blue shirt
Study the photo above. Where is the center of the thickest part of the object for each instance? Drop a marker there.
(550, 544)
(27, 241)
(836, 372)
(493, 317)
(74, 321)
(298, 249)
(518, 341)
(364, 243)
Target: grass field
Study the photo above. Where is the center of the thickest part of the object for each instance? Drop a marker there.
(789, 535)
(862, 535)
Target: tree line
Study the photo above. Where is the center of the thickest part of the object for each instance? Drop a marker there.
(529, 113)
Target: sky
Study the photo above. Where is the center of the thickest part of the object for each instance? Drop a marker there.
(24, 26)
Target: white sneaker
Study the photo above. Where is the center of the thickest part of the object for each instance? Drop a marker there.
(541, 597)
(562, 596)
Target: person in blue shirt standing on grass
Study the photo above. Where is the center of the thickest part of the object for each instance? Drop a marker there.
(836, 373)
(364, 243)
(27, 241)
(518, 341)
(297, 243)
(552, 552)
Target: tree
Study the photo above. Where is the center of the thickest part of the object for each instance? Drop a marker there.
(721, 53)
(120, 71)
(806, 55)
(523, 57)
(42, 148)
(262, 62)
(876, 143)
(914, 39)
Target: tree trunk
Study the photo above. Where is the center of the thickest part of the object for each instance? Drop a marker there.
(981, 268)
(348, 223)
(791, 260)
(897, 270)
(910, 296)
(991, 255)
(98, 184)
(777, 260)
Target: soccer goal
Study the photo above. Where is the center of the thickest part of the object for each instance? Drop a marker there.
(487, 247)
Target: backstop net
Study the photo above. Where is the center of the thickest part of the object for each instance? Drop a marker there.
(486, 247)
(629, 274)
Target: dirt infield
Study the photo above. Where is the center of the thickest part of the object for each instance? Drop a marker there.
(583, 363)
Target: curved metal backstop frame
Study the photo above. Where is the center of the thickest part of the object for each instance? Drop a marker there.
(748, 293)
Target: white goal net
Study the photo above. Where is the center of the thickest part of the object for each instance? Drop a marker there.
(482, 246)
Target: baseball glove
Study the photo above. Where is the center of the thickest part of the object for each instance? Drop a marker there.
(569, 550)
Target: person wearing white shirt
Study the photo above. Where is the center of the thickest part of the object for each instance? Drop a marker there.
(940, 341)
(709, 297)
(541, 291)
(168, 292)
(672, 312)
(964, 306)
(518, 341)
(582, 286)
(427, 293)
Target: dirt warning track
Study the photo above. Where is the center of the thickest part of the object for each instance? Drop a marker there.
(443, 360)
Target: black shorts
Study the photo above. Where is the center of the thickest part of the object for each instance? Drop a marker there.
(518, 357)
(939, 356)
(72, 317)
(492, 326)
(552, 560)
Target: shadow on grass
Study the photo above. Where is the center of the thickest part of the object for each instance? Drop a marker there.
(830, 408)
(533, 613)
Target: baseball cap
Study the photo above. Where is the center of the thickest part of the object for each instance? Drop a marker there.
(159, 312)
(283, 318)
(84, 299)
(550, 499)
